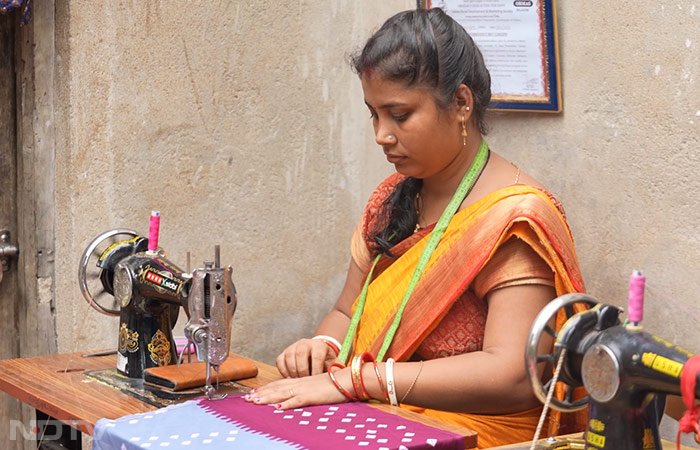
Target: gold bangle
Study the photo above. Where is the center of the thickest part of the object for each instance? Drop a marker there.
(356, 372)
(381, 382)
(413, 383)
(337, 384)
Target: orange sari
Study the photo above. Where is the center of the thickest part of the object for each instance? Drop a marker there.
(469, 242)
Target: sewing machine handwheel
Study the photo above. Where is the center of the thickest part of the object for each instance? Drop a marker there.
(90, 274)
(532, 359)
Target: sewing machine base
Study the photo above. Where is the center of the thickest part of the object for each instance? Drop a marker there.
(136, 388)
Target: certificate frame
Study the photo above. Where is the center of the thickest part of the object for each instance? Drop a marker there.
(549, 100)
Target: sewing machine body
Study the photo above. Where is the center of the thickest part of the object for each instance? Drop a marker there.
(148, 291)
(626, 372)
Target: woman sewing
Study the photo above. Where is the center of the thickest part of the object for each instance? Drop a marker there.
(453, 258)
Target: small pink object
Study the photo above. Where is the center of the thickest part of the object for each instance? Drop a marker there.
(184, 346)
(153, 230)
(636, 297)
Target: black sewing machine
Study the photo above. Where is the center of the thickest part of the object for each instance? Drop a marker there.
(124, 274)
(626, 371)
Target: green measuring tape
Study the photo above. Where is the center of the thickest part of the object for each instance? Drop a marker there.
(462, 190)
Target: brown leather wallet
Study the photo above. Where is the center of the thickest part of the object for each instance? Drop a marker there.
(193, 375)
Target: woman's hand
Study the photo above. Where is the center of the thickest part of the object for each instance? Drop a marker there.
(312, 356)
(297, 392)
(305, 357)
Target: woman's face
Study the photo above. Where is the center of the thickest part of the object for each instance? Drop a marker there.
(417, 137)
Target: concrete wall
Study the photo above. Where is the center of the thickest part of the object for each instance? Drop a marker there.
(242, 123)
(624, 156)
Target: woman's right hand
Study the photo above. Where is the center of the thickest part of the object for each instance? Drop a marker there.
(305, 357)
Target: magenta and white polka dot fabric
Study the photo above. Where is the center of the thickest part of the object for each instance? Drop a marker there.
(233, 423)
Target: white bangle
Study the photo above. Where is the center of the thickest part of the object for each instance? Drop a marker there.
(390, 383)
(330, 339)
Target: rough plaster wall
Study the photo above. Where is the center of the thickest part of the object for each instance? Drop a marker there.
(245, 127)
(623, 157)
(242, 123)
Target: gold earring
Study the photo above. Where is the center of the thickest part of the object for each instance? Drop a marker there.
(464, 130)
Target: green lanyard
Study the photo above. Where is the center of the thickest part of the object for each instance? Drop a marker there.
(462, 190)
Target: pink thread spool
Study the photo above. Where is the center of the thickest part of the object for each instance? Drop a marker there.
(636, 297)
(153, 231)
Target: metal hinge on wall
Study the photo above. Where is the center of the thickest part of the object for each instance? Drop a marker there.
(7, 252)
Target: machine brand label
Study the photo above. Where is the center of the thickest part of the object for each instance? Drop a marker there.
(155, 278)
(595, 439)
(662, 364)
(161, 280)
(596, 425)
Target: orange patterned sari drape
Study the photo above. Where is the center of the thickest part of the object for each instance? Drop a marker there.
(472, 237)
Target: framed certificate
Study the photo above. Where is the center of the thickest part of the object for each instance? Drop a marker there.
(518, 39)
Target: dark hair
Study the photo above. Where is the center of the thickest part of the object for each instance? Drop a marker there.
(422, 48)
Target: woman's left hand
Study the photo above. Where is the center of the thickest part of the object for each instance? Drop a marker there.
(292, 393)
